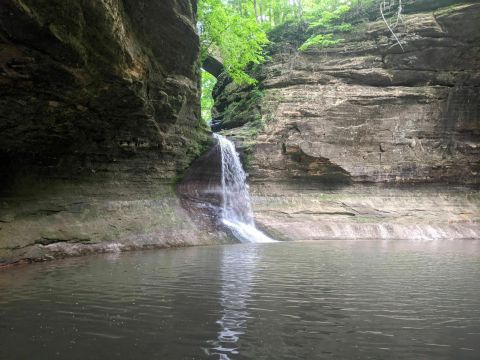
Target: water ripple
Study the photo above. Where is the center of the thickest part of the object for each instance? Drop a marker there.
(328, 300)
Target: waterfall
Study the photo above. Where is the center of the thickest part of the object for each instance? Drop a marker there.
(236, 212)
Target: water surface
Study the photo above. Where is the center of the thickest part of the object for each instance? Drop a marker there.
(323, 300)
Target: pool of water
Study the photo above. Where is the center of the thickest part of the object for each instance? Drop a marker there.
(308, 300)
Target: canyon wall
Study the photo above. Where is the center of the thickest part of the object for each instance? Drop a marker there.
(89, 86)
(364, 110)
(364, 140)
(100, 112)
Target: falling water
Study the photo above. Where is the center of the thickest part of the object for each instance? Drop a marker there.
(236, 211)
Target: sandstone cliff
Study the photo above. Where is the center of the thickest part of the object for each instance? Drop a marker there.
(359, 140)
(99, 104)
(364, 110)
(86, 84)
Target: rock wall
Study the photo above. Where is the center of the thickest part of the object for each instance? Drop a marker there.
(293, 211)
(99, 104)
(364, 110)
(338, 140)
(56, 219)
(90, 85)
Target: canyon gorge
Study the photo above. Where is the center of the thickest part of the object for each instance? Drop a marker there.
(100, 104)
(305, 175)
(364, 139)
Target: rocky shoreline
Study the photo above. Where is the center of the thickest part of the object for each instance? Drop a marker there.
(355, 141)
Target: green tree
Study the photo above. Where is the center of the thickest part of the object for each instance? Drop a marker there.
(208, 82)
(237, 36)
(325, 18)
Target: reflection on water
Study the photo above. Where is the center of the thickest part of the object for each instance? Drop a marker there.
(238, 265)
(326, 300)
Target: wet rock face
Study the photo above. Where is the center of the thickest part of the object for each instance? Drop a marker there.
(200, 189)
(99, 86)
(369, 110)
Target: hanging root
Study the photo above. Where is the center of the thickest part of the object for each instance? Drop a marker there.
(399, 14)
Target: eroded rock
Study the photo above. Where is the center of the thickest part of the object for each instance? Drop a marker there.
(293, 211)
(100, 112)
(88, 84)
(365, 108)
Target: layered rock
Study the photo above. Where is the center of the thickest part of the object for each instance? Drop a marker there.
(57, 219)
(363, 140)
(364, 110)
(292, 211)
(99, 104)
(86, 84)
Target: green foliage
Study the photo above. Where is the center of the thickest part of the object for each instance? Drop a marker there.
(344, 27)
(257, 94)
(208, 82)
(319, 41)
(238, 38)
(325, 18)
(268, 13)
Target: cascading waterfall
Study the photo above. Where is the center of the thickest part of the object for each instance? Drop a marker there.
(236, 210)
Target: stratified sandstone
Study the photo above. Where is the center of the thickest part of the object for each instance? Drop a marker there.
(57, 219)
(292, 211)
(365, 110)
(99, 104)
(364, 140)
(88, 84)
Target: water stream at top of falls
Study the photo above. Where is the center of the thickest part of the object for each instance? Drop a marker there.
(236, 212)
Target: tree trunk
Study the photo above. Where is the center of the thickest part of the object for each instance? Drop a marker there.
(300, 9)
(261, 11)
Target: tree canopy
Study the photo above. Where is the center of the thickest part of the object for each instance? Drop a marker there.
(237, 36)
(237, 29)
(208, 82)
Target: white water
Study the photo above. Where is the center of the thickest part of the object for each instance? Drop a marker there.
(236, 211)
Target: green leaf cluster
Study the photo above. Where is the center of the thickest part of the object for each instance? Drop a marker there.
(269, 13)
(322, 16)
(325, 19)
(319, 41)
(208, 83)
(238, 38)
